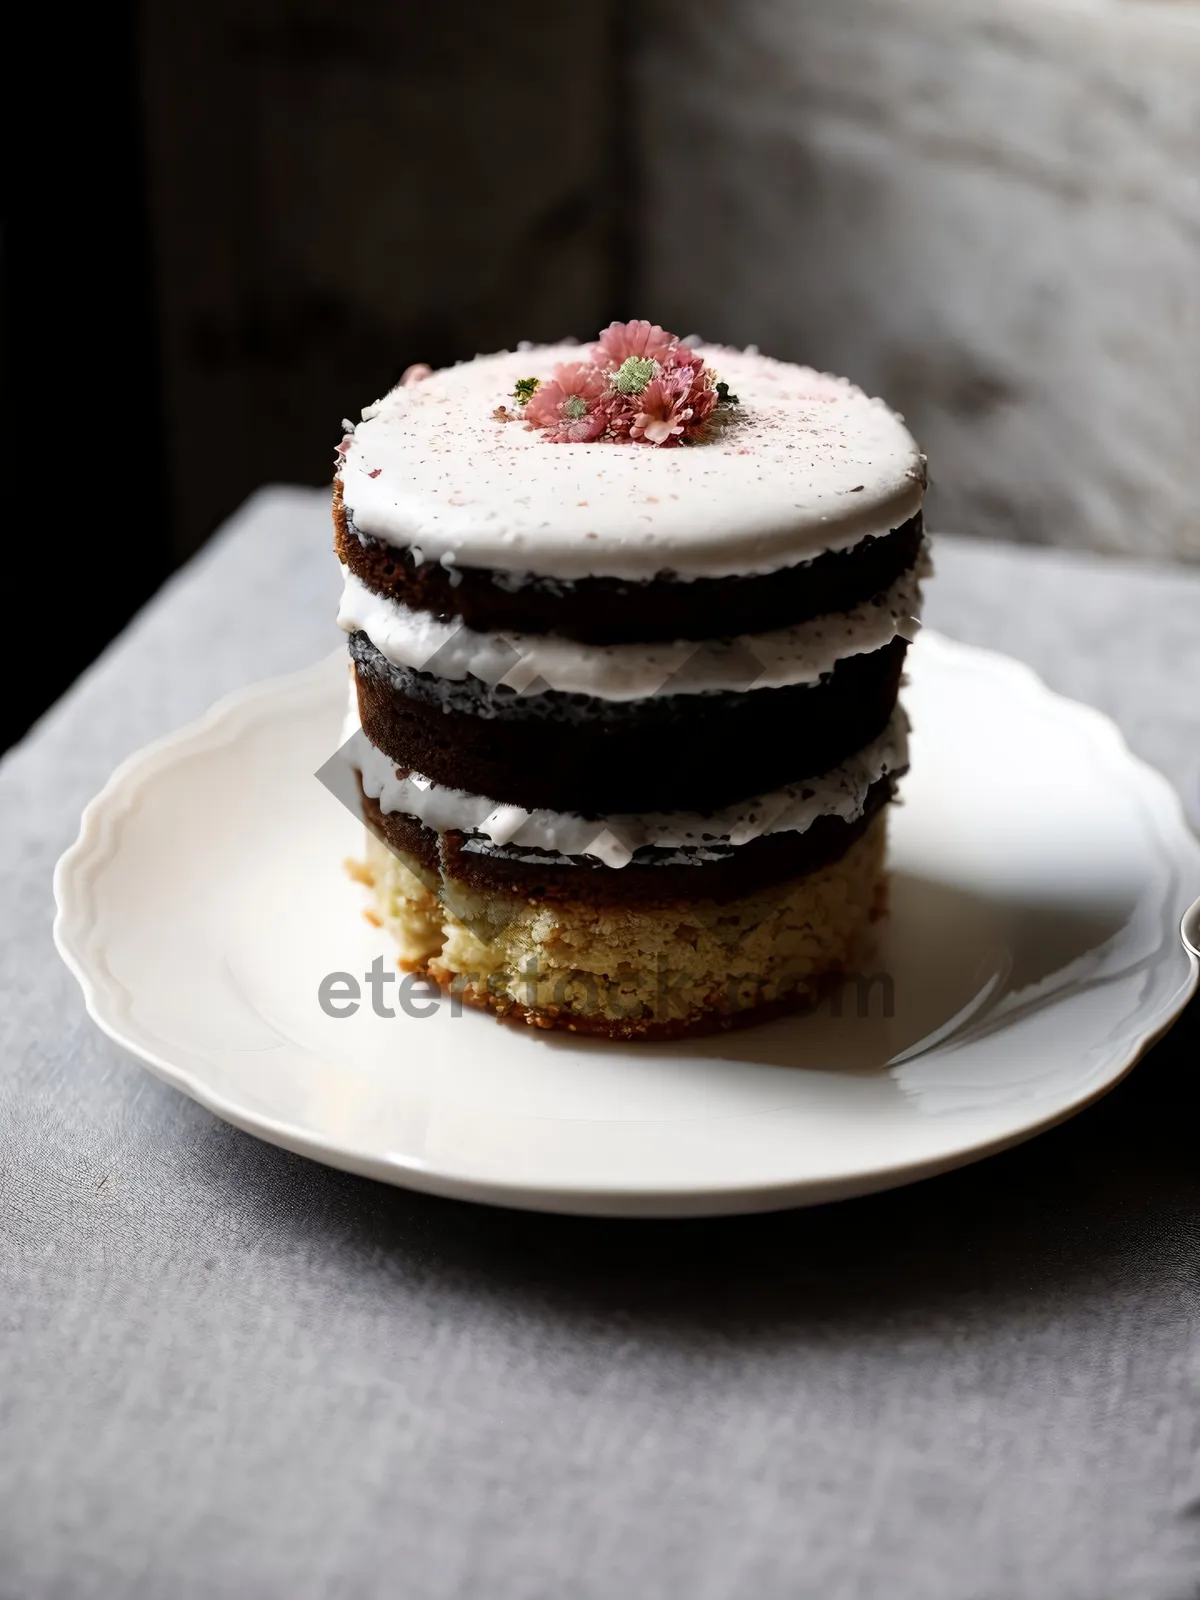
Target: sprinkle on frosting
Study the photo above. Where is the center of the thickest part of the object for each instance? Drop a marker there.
(639, 385)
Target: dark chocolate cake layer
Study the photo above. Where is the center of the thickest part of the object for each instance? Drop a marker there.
(611, 611)
(682, 752)
(772, 859)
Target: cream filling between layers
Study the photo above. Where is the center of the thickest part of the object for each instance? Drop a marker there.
(612, 840)
(531, 663)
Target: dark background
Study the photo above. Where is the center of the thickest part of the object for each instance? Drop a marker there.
(83, 436)
(237, 223)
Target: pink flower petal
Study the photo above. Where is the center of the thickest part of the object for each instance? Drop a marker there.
(646, 340)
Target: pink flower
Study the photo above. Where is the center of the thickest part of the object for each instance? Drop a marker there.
(637, 384)
(646, 340)
(684, 356)
(675, 408)
(663, 411)
(622, 409)
(570, 406)
(702, 398)
(701, 391)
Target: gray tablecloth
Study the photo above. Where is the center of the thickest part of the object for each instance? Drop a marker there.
(225, 1371)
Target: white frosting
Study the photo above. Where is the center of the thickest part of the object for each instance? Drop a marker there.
(531, 663)
(612, 840)
(808, 464)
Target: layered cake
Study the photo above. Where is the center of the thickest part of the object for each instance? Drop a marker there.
(627, 624)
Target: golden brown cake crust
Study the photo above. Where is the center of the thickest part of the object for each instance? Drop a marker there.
(636, 971)
(555, 1019)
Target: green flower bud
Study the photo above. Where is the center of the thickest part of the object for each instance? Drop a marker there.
(633, 375)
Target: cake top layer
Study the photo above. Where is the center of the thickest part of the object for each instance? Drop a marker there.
(803, 463)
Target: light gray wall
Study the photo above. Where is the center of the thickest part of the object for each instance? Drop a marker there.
(986, 210)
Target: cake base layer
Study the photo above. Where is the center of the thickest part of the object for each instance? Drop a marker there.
(646, 971)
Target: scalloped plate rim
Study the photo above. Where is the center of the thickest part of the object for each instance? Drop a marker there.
(98, 840)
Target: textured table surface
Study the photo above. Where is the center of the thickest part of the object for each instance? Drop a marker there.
(225, 1371)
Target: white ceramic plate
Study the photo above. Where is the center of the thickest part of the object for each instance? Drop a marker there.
(1033, 952)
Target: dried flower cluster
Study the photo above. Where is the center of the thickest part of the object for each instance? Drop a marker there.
(638, 384)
